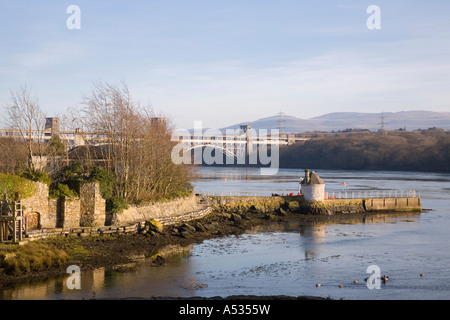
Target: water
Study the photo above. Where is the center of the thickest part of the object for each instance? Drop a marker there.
(292, 259)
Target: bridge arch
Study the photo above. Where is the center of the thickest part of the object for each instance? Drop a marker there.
(224, 151)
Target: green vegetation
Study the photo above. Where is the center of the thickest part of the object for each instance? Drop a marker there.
(12, 184)
(116, 204)
(61, 190)
(35, 175)
(423, 150)
(71, 175)
(105, 180)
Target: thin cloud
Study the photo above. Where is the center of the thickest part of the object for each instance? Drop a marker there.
(50, 55)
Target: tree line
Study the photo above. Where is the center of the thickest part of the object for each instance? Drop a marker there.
(129, 153)
(420, 150)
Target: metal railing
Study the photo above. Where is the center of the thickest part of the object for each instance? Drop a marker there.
(346, 194)
(372, 194)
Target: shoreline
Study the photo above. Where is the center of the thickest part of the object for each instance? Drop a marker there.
(123, 251)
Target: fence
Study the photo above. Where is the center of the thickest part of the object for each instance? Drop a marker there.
(372, 194)
(235, 194)
(347, 194)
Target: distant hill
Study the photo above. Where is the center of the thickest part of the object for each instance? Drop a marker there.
(409, 120)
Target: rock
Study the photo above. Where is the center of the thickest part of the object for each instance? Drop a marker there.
(137, 257)
(211, 226)
(158, 260)
(236, 217)
(187, 227)
(226, 215)
(153, 225)
(186, 234)
(126, 267)
(281, 212)
(200, 227)
(269, 216)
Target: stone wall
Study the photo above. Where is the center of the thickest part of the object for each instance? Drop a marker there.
(54, 219)
(332, 206)
(92, 205)
(156, 210)
(298, 204)
(313, 192)
(38, 203)
(393, 204)
(69, 212)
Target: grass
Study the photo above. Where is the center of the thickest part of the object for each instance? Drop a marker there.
(52, 252)
(36, 255)
(72, 246)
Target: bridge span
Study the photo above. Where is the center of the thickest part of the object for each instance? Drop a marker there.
(243, 139)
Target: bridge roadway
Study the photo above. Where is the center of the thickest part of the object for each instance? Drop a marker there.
(79, 138)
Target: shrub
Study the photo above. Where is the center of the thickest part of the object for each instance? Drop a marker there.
(61, 190)
(72, 176)
(12, 184)
(105, 180)
(38, 176)
(116, 204)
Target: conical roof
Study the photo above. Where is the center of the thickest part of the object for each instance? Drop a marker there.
(315, 179)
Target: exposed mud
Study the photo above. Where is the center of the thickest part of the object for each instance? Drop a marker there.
(121, 250)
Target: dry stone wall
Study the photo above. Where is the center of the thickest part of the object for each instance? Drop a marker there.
(92, 205)
(159, 210)
(38, 205)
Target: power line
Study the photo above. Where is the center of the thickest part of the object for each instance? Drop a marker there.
(383, 124)
(280, 122)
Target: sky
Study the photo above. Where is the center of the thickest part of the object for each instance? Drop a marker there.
(225, 62)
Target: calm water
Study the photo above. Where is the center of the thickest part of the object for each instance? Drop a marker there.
(290, 260)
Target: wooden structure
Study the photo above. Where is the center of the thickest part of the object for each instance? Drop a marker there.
(11, 220)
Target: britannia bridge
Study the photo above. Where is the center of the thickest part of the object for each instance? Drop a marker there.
(232, 143)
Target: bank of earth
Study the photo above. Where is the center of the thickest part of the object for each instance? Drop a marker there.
(116, 250)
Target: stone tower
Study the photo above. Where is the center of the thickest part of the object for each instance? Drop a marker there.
(312, 187)
(52, 126)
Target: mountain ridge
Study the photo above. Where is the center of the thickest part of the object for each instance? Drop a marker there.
(335, 121)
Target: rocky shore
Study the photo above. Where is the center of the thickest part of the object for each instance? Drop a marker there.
(155, 242)
(121, 250)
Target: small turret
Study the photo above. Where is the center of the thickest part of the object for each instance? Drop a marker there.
(313, 187)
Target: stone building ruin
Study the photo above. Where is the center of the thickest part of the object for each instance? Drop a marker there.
(87, 210)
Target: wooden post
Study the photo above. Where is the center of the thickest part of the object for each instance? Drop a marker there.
(14, 231)
(2, 213)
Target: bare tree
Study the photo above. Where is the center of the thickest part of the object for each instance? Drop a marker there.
(133, 147)
(14, 160)
(26, 116)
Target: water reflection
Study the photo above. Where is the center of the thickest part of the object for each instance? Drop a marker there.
(92, 279)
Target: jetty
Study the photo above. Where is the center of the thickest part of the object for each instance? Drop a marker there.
(313, 199)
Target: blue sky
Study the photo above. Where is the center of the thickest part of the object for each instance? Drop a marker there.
(224, 62)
